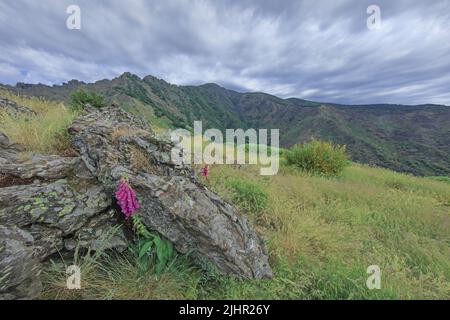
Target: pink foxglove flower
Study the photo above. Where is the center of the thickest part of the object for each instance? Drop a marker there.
(127, 200)
(205, 171)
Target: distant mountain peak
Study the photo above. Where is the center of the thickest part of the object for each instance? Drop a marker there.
(211, 85)
(129, 75)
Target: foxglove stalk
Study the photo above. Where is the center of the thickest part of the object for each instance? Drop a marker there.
(126, 199)
(205, 171)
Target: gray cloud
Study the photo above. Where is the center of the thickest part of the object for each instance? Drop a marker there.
(317, 50)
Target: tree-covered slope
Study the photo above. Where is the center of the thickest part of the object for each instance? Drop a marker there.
(413, 139)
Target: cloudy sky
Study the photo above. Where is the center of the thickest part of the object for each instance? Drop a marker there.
(318, 50)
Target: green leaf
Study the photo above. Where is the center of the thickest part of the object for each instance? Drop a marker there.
(145, 248)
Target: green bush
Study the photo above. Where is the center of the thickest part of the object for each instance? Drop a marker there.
(79, 98)
(248, 195)
(318, 157)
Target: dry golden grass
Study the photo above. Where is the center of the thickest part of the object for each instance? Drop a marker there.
(45, 132)
(38, 105)
(140, 160)
(120, 281)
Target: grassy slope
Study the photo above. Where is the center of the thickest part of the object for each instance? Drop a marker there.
(322, 235)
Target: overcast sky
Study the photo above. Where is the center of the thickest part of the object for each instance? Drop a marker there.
(316, 50)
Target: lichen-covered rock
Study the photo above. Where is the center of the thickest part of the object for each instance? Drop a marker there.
(100, 233)
(113, 144)
(19, 269)
(56, 205)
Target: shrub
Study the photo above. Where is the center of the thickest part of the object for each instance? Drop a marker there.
(248, 195)
(318, 157)
(79, 98)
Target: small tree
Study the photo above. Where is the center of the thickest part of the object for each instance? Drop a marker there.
(79, 98)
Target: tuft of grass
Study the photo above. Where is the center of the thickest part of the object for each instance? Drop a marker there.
(44, 132)
(318, 157)
(247, 195)
(110, 275)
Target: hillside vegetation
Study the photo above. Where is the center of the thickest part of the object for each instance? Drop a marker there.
(322, 233)
(412, 139)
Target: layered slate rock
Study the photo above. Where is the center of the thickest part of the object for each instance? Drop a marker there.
(40, 166)
(19, 269)
(9, 151)
(58, 213)
(114, 144)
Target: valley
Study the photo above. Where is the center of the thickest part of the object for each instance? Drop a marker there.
(411, 139)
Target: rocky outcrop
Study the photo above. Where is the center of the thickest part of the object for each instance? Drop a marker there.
(173, 202)
(59, 203)
(50, 204)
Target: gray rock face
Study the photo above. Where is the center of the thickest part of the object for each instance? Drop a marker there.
(113, 144)
(19, 269)
(40, 166)
(9, 151)
(93, 233)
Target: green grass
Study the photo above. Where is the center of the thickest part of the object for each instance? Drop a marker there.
(322, 234)
(248, 196)
(158, 125)
(318, 157)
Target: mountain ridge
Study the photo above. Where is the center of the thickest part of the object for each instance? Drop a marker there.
(405, 138)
